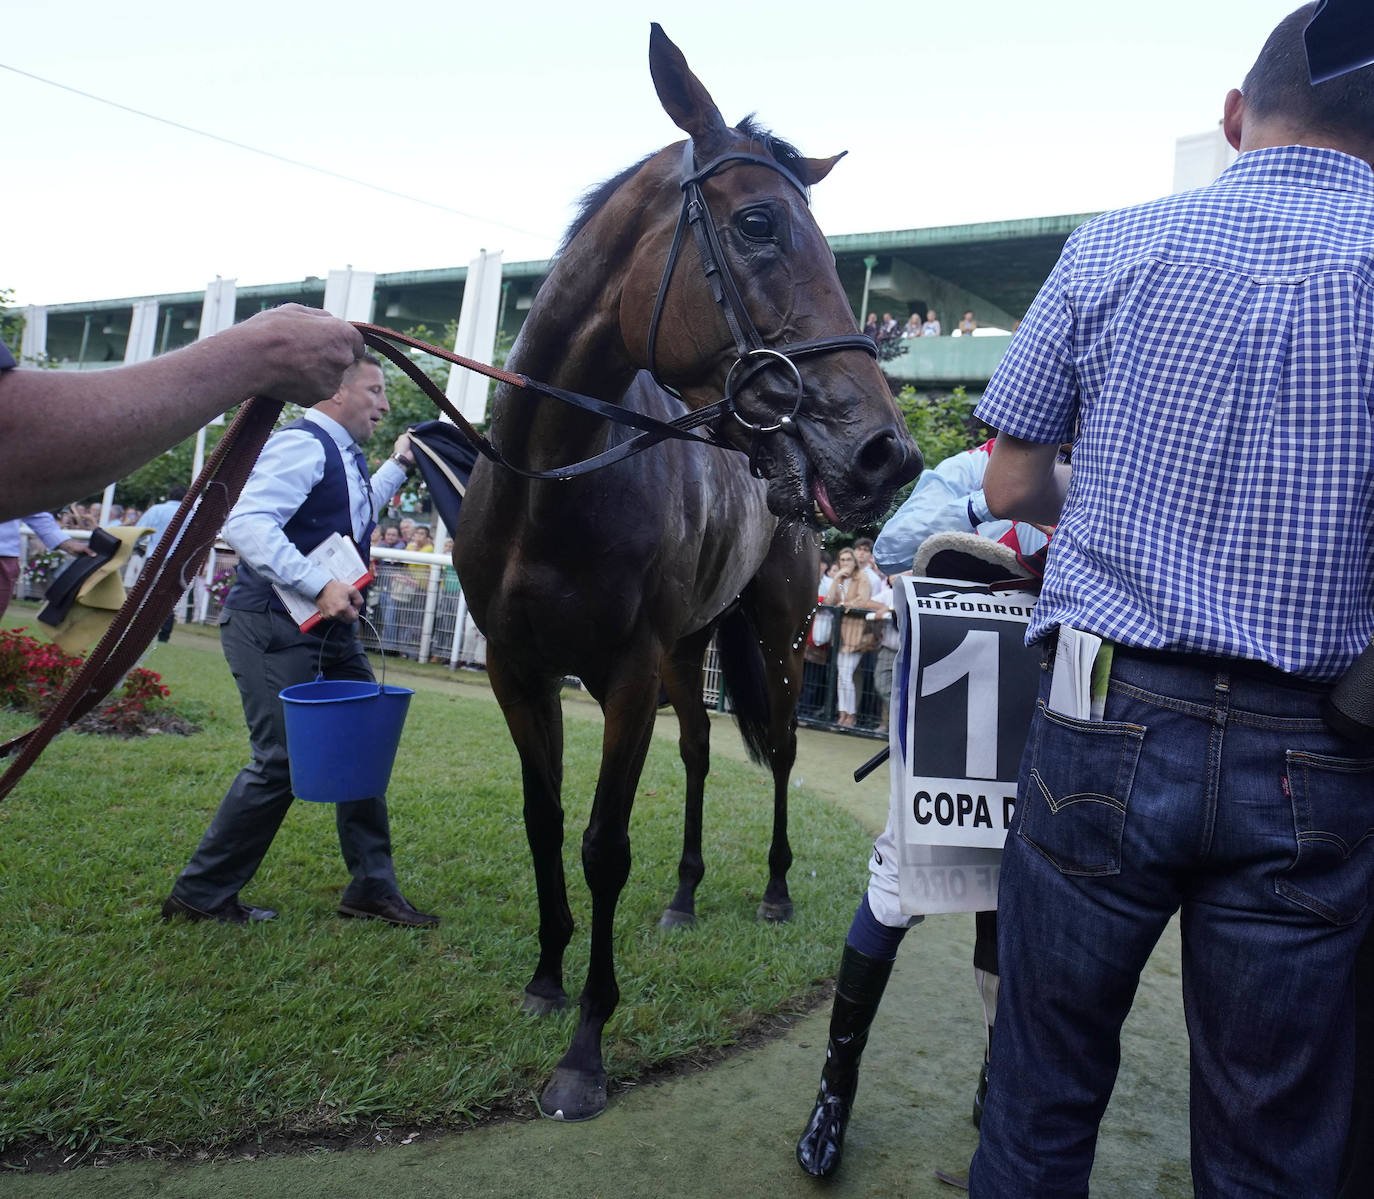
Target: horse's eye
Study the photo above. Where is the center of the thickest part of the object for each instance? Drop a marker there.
(756, 224)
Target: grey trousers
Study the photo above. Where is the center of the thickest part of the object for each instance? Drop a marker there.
(267, 653)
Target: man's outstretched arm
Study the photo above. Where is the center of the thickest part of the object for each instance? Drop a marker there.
(66, 434)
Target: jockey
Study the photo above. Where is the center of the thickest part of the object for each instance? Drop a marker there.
(949, 498)
(944, 509)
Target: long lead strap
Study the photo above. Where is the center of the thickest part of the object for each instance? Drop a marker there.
(180, 554)
(186, 542)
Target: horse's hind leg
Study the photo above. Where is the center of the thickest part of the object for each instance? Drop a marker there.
(682, 678)
(535, 719)
(779, 601)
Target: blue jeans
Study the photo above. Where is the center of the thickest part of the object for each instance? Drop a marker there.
(1220, 793)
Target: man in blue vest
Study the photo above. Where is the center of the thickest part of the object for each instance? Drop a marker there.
(311, 481)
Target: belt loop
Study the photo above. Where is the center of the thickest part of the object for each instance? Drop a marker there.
(1047, 647)
(1221, 694)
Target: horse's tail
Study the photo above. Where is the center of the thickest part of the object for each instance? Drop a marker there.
(741, 669)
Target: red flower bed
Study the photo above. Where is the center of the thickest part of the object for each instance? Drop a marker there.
(33, 673)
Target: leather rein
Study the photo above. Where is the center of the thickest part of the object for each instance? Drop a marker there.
(702, 424)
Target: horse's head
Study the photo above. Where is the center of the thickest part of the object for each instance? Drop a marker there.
(749, 305)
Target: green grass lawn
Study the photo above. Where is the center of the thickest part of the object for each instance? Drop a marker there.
(117, 1029)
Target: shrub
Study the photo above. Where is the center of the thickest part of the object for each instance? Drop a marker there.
(32, 673)
(221, 584)
(941, 425)
(40, 569)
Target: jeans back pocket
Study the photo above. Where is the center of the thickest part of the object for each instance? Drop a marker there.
(1333, 817)
(1073, 806)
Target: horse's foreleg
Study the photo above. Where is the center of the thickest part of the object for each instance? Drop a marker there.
(535, 719)
(777, 901)
(577, 1089)
(682, 680)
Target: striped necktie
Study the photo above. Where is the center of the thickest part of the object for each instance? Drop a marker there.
(360, 461)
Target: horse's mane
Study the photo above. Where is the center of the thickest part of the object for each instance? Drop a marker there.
(595, 199)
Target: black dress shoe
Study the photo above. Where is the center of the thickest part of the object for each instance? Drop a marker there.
(231, 911)
(394, 909)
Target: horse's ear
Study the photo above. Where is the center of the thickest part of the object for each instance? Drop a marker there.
(682, 95)
(813, 170)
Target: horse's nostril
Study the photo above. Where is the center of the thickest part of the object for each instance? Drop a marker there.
(887, 459)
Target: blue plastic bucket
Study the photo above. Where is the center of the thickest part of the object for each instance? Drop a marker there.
(341, 737)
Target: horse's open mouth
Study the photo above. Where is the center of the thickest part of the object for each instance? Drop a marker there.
(821, 506)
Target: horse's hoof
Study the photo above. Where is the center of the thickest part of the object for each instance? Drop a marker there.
(775, 913)
(574, 1095)
(676, 919)
(543, 1005)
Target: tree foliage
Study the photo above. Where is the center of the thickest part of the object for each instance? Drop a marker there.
(150, 483)
(941, 425)
(11, 321)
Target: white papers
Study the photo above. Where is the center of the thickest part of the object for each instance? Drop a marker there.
(337, 556)
(1071, 684)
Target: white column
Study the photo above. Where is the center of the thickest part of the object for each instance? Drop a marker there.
(138, 348)
(476, 334)
(34, 345)
(142, 332)
(216, 315)
(348, 294)
(476, 339)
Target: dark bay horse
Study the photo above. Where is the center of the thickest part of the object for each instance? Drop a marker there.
(618, 576)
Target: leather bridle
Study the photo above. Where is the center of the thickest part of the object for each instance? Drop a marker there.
(702, 424)
(753, 356)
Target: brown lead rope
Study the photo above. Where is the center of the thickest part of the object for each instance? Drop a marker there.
(180, 554)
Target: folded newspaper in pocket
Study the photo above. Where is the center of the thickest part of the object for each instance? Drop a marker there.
(1082, 664)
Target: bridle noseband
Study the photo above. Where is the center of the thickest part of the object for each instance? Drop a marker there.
(753, 356)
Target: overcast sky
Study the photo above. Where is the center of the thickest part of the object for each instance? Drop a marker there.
(952, 112)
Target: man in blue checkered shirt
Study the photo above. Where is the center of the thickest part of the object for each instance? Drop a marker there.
(1211, 355)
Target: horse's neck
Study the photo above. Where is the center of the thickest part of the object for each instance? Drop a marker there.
(570, 340)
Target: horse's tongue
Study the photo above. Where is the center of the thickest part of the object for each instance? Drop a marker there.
(823, 500)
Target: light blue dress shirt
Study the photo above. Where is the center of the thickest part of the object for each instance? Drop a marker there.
(291, 464)
(947, 498)
(157, 518)
(42, 523)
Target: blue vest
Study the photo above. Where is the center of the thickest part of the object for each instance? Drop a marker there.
(324, 511)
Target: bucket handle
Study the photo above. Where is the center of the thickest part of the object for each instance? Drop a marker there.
(319, 661)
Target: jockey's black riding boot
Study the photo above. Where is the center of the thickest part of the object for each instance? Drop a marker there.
(858, 991)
